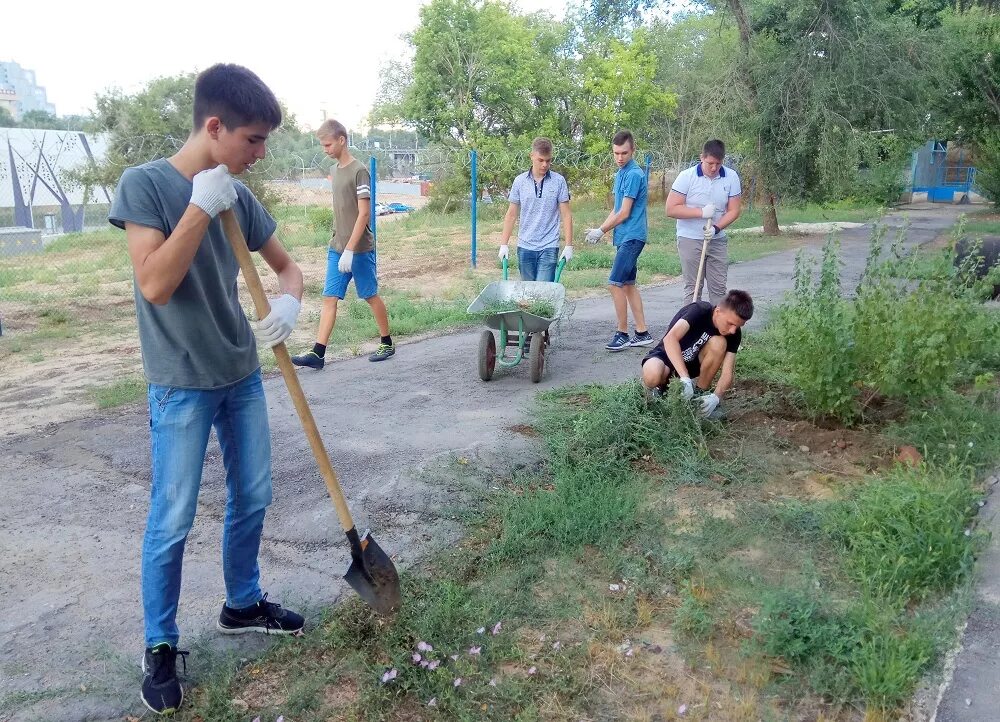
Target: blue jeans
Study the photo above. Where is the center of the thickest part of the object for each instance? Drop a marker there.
(537, 265)
(180, 421)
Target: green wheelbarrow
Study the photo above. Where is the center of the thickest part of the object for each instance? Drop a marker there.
(522, 312)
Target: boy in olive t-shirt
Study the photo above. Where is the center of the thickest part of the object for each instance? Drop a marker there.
(351, 254)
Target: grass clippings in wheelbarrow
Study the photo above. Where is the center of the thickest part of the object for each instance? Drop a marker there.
(541, 308)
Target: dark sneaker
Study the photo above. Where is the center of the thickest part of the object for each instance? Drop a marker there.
(618, 342)
(641, 339)
(161, 690)
(383, 352)
(310, 359)
(652, 395)
(264, 617)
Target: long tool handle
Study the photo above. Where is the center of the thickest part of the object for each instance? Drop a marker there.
(234, 233)
(701, 264)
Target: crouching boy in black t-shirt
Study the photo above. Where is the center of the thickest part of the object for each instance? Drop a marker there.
(701, 339)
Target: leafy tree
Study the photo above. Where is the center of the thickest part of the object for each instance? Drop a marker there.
(970, 101)
(620, 91)
(694, 54)
(478, 69)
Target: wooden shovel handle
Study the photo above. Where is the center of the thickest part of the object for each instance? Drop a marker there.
(701, 263)
(234, 233)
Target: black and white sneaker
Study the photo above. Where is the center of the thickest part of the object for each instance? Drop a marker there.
(641, 339)
(161, 690)
(264, 617)
(618, 342)
(310, 359)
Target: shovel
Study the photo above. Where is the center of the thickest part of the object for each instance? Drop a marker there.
(371, 574)
(708, 233)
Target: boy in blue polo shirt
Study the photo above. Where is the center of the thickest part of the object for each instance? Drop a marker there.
(628, 220)
(542, 196)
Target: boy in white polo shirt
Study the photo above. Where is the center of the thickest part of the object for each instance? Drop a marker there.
(708, 190)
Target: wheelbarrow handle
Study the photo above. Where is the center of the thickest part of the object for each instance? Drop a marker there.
(559, 269)
(505, 270)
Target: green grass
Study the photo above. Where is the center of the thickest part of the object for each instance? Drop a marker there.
(119, 393)
(976, 227)
(842, 592)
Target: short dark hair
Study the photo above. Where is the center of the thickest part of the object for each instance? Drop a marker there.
(740, 303)
(714, 148)
(234, 95)
(622, 137)
(331, 129)
(542, 146)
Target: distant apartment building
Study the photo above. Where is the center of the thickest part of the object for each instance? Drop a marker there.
(20, 92)
(8, 102)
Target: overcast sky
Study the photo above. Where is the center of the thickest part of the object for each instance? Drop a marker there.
(322, 59)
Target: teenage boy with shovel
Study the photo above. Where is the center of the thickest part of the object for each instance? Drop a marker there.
(701, 339)
(707, 192)
(200, 358)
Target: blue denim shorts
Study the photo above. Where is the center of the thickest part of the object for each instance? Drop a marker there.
(625, 266)
(362, 271)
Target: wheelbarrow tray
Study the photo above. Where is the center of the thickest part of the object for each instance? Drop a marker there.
(519, 292)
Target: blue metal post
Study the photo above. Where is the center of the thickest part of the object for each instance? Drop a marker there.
(373, 172)
(649, 165)
(475, 198)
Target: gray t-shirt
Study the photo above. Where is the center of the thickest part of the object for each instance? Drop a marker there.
(200, 338)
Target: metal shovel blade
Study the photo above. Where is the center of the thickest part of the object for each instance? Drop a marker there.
(372, 574)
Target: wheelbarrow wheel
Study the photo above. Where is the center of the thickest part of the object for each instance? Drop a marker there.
(537, 352)
(487, 355)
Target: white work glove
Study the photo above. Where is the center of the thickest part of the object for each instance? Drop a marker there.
(688, 392)
(278, 324)
(504, 252)
(594, 235)
(346, 259)
(708, 211)
(213, 190)
(709, 402)
(567, 253)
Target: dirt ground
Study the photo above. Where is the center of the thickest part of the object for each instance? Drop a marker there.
(76, 490)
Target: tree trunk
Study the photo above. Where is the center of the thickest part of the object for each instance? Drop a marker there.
(770, 215)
